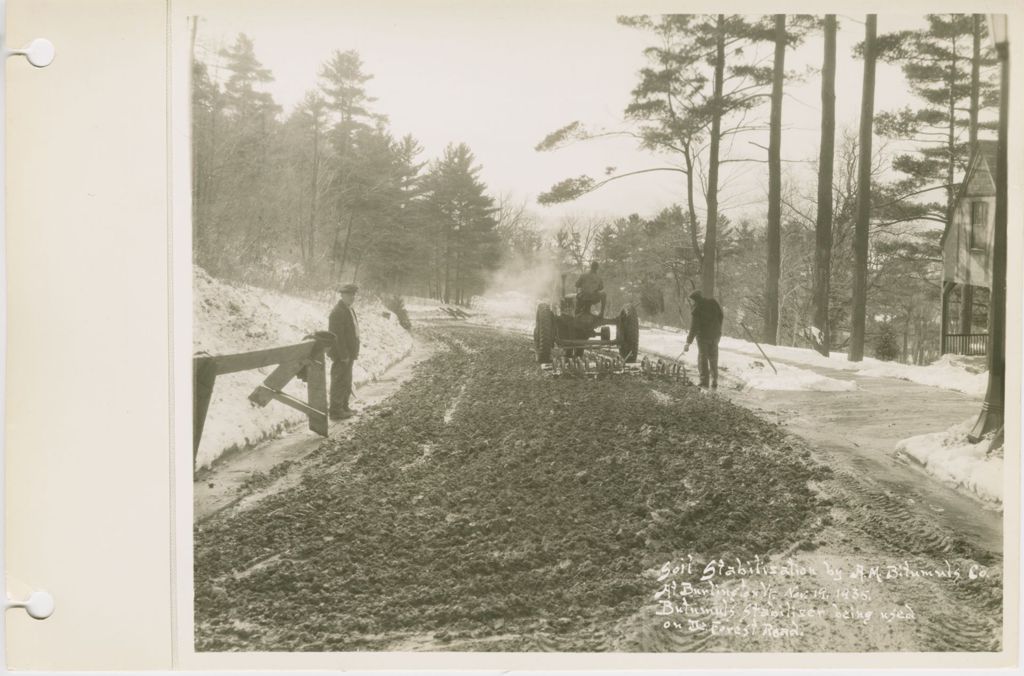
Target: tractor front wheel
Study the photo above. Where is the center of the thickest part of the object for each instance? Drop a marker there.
(544, 333)
(629, 335)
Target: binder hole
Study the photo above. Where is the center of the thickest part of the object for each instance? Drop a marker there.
(39, 53)
(40, 605)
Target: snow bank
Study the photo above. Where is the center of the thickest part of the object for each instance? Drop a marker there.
(949, 456)
(947, 372)
(754, 374)
(950, 372)
(230, 318)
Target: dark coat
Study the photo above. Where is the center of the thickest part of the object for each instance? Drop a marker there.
(706, 320)
(344, 325)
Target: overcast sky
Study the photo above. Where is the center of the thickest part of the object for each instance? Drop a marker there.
(500, 78)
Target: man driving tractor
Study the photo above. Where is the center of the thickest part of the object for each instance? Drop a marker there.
(590, 290)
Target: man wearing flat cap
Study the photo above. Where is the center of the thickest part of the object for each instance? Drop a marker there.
(345, 327)
(706, 327)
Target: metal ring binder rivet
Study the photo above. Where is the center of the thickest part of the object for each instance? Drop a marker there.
(39, 605)
(39, 53)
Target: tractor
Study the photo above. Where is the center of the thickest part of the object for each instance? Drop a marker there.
(575, 328)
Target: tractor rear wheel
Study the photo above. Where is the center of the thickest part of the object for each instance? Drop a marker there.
(544, 333)
(629, 335)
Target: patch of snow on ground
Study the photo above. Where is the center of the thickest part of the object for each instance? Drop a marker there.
(229, 318)
(950, 372)
(753, 373)
(947, 372)
(949, 456)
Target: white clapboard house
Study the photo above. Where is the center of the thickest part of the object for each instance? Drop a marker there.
(967, 257)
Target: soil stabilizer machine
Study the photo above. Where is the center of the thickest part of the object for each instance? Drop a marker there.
(573, 339)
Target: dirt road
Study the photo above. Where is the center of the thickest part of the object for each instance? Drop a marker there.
(485, 506)
(857, 430)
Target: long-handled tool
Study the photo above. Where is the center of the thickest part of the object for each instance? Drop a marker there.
(751, 337)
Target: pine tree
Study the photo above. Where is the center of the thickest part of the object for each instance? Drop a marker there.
(465, 239)
(343, 83)
(938, 62)
(250, 120)
(687, 102)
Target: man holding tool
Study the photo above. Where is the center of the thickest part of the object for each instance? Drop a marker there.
(706, 327)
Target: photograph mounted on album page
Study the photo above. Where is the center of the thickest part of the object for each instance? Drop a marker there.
(520, 336)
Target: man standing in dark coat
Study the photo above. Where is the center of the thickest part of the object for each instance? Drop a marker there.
(345, 327)
(706, 327)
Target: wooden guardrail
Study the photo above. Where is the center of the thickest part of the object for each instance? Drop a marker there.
(305, 359)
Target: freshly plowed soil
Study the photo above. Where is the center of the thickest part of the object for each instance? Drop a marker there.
(486, 506)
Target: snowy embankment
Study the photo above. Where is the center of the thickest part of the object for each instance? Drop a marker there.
(951, 372)
(952, 458)
(231, 318)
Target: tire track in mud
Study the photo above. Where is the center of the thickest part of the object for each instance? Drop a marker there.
(869, 520)
(965, 616)
(532, 518)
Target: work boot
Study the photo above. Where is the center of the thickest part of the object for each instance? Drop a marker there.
(342, 415)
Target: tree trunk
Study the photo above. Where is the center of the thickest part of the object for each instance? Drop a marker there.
(447, 265)
(906, 339)
(967, 291)
(311, 235)
(774, 233)
(344, 246)
(975, 82)
(458, 277)
(709, 264)
(689, 202)
(823, 223)
(860, 241)
(951, 137)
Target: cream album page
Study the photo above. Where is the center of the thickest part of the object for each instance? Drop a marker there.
(521, 336)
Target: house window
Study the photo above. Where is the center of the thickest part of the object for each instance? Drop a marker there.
(979, 225)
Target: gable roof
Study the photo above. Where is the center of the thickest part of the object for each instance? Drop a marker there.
(985, 152)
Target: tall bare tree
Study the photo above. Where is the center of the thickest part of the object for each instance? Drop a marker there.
(823, 223)
(771, 293)
(967, 291)
(860, 241)
(709, 261)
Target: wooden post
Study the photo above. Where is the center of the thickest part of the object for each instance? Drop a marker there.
(289, 359)
(316, 388)
(276, 381)
(204, 374)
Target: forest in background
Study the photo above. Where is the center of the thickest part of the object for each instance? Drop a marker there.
(845, 257)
